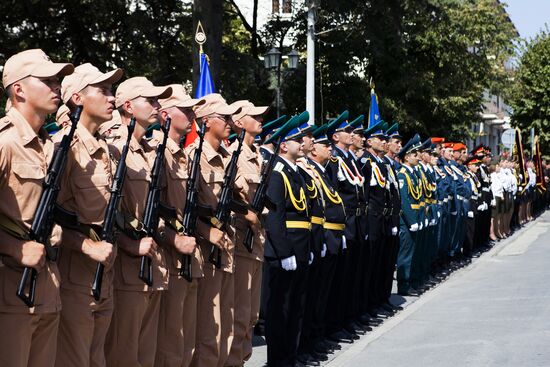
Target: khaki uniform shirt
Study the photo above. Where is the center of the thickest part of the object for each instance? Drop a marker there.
(174, 195)
(213, 165)
(139, 163)
(84, 191)
(24, 159)
(248, 179)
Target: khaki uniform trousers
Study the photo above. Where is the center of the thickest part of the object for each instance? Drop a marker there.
(132, 337)
(248, 280)
(82, 330)
(214, 318)
(177, 323)
(28, 340)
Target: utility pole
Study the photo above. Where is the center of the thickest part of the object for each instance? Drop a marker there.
(310, 75)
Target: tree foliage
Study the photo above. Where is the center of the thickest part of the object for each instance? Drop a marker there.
(531, 94)
(431, 60)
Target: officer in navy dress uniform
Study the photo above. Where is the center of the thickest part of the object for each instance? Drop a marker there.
(287, 251)
(392, 148)
(378, 197)
(411, 199)
(334, 226)
(348, 181)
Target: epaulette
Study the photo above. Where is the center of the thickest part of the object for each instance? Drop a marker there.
(278, 167)
(4, 124)
(364, 160)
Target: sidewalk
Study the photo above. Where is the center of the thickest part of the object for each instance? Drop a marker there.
(494, 312)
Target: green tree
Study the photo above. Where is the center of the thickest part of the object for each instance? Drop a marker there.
(531, 94)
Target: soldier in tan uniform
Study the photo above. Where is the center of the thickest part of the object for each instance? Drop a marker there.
(132, 336)
(248, 266)
(215, 292)
(178, 308)
(28, 336)
(84, 191)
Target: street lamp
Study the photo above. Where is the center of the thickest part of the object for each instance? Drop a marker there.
(272, 61)
(293, 60)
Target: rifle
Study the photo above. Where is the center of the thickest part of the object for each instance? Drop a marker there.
(191, 204)
(42, 224)
(151, 212)
(260, 196)
(223, 209)
(108, 230)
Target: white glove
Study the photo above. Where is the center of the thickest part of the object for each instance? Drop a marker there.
(394, 231)
(432, 222)
(486, 206)
(420, 226)
(493, 202)
(438, 214)
(324, 250)
(481, 207)
(470, 214)
(311, 257)
(289, 263)
(366, 237)
(344, 243)
(414, 227)
(426, 222)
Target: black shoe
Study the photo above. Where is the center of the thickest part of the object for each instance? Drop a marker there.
(331, 345)
(319, 356)
(411, 292)
(350, 335)
(307, 360)
(387, 308)
(341, 337)
(394, 307)
(321, 347)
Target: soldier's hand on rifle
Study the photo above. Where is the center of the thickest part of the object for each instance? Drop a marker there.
(147, 247)
(32, 254)
(253, 221)
(100, 251)
(185, 244)
(217, 237)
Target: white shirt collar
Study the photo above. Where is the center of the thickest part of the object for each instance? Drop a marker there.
(320, 166)
(342, 150)
(292, 165)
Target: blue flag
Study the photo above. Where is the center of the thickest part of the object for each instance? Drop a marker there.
(374, 113)
(205, 85)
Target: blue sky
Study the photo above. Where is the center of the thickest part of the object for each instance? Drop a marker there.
(529, 16)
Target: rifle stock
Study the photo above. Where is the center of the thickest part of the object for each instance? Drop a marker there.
(43, 221)
(191, 206)
(108, 231)
(259, 200)
(224, 204)
(150, 213)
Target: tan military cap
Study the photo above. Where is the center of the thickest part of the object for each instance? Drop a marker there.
(32, 63)
(84, 75)
(179, 98)
(139, 86)
(215, 104)
(248, 109)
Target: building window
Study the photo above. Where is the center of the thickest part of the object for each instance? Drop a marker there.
(287, 6)
(275, 7)
(281, 6)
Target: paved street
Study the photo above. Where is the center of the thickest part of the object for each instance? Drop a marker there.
(496, 312)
